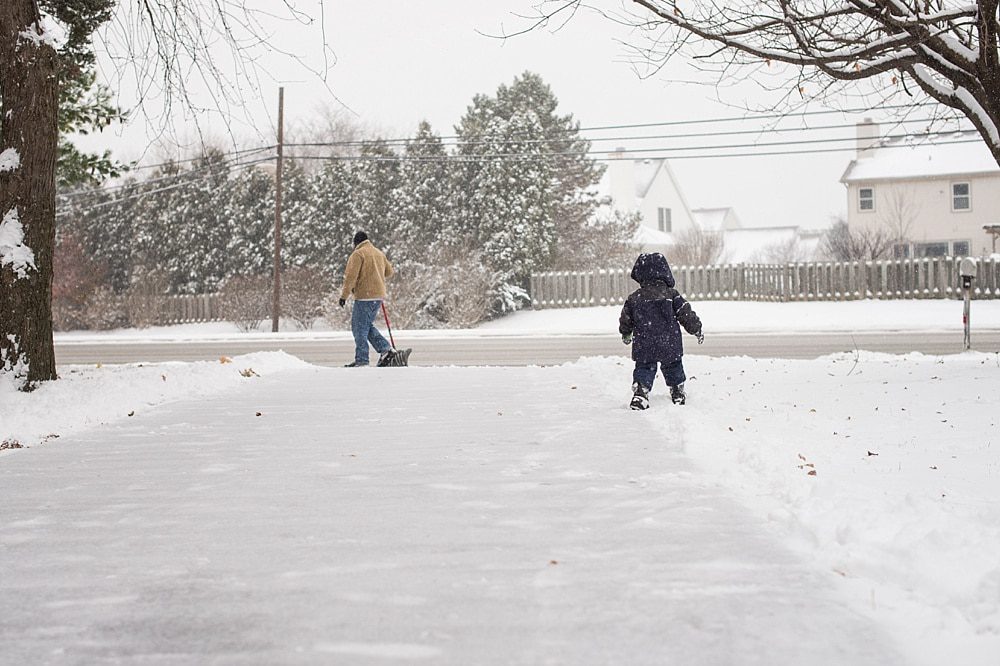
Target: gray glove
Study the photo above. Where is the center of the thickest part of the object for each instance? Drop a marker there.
(627, 338)
(701, 337)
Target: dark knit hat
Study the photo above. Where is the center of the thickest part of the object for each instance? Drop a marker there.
(360, 238)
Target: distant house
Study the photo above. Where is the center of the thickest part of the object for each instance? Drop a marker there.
(649, 187)
(933, 195)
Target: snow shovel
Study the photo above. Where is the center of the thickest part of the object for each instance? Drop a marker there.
(397, 358)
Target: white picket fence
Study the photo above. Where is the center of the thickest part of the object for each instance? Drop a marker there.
(936, 277)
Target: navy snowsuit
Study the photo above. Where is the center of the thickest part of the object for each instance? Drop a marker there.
(652, 313)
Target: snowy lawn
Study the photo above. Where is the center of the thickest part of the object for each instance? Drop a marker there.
(486, 515)
(718, 317)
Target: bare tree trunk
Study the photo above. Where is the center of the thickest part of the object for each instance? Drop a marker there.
(28, 139)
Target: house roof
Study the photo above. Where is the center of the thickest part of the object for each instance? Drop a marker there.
(648, 236)
(713, 219)
(956, 153)
(754, 244)
(645, 174)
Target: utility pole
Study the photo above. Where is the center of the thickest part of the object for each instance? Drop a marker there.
(276, 302)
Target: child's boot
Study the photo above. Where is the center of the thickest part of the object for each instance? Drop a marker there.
(640, 397)
(677, 394)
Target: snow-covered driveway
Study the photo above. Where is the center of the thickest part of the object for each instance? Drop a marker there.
(442, 515)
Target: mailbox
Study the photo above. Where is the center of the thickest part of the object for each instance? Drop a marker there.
(967, 270)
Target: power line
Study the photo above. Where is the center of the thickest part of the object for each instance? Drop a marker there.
(472, 159)
(671, 123)
(647, 137)
(145, 193)
(180, 174)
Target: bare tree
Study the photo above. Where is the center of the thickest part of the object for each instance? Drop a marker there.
(842, 244)
(163, 49)
(783, 252)
(899, 213)
(607, 240)
(695, 247)
(945, 50)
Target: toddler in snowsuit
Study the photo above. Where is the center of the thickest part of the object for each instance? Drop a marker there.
(649, 322)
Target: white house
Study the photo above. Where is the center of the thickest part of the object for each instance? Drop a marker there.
(649, 187)
(934, 195)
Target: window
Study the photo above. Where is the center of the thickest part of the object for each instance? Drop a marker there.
(866, 198)
(663, 217)
(931, 250)
(901, 251)
(960, 249)
(961, 196)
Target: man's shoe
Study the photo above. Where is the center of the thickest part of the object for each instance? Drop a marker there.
(386, 358)
(356, 364)
(677, 394)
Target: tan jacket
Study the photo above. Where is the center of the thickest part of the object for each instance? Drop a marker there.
(366, 272)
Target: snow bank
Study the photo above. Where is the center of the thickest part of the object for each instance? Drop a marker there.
(752, 317)
(884, 470)
(87, 396)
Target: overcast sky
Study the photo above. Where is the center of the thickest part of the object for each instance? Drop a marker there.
(398, 62)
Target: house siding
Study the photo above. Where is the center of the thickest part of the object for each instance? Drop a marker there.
(924, 208)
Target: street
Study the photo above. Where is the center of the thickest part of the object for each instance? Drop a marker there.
(519, 350)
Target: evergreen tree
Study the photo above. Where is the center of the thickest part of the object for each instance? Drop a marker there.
(197, 233)
(250, 214)
(375, 194)
(332, 218)
(527, 183)
(425, 195)
(302, 240)
(511, 205)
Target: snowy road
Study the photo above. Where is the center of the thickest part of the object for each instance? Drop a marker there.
(514, 349)
(289, 522)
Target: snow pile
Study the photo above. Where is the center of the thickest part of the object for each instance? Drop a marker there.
(89, 396)
(883, 469)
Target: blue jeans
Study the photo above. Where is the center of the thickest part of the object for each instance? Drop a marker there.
(645, 373)
(363, 327)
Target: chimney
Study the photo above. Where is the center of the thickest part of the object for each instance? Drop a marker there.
(621, 171)
(867, 138)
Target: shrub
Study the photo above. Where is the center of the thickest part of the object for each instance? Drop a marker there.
(303, 291)
(246, 301)
(76, 278)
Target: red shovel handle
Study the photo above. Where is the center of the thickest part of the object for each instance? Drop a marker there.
(388, 326)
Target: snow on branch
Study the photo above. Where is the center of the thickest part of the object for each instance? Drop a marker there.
(949, 48)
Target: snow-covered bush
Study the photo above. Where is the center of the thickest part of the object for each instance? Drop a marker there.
(451, 288)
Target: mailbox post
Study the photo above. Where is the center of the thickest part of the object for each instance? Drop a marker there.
(967, 270)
